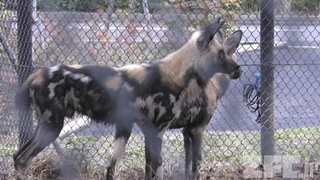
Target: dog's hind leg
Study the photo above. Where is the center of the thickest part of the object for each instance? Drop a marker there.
(192, 146)
(121, 138)
(46, 132)
(187, 151)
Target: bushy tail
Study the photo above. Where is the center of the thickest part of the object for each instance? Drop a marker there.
(22, 99)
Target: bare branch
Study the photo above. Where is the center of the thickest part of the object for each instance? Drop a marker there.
(7, 50)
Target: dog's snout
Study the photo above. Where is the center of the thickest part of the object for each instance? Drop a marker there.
(237, 67)
(236, 74)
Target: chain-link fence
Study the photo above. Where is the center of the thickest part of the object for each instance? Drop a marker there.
(123, 32)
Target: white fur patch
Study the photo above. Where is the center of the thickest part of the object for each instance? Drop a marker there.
(46, 115)
(172, 98)
(162, 110)
(151, 105)
(52, 86)
(159, 172)
(83, 78)
(128, 87)
(195, 35)
(119, 148)
(66, 72)
(176, 110)
(53, 69)
(193, 112)
(71, 97)
(78, 76)
(163, 130)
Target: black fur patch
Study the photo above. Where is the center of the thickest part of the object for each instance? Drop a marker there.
(149, 84)
(164, 97)
(70, 94)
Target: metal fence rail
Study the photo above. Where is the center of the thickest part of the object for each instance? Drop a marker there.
(117, 33)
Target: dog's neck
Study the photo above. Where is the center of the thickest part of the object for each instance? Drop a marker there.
(221, 82)
(177, 67)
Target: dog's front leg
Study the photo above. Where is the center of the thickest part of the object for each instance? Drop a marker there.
(121, 138)
(196, 139)
(153, 149)
(187, 151)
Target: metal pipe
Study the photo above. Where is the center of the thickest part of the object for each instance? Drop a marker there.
(267, 78)
(25, 22)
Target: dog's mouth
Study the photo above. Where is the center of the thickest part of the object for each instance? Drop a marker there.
(236, 73)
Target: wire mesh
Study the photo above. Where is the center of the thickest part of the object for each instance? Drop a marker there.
(134, 32)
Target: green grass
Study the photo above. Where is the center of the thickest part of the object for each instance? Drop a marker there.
(302, 142)
(7, 145)
(226, 146)
(218, 146)
(92, 154)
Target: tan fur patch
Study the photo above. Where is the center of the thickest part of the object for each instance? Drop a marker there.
(188, 95)
(35, 78)
(234, 58)
(211, 92)
(175, 65)
(134, 71)
(201, 128)
(192, 92)
(114, 83)
(76, 66)
(46, 116)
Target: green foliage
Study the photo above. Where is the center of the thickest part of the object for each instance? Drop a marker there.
(66, 5)
(8, 5)
(76, 5)
(250, 6)
(306, 6)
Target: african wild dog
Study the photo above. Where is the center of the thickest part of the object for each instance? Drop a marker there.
(215, 89)
(60, 91)
(181, 91)
(171, 92)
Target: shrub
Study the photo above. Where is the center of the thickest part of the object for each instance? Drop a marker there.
(76, 5)
(306, 6)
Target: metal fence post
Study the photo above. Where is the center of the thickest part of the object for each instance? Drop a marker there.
(267, 78)
(110, 10)
(25, 21)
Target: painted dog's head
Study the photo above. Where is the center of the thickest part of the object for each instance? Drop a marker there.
(212, 55)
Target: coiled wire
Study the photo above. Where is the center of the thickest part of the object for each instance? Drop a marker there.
(251, 96)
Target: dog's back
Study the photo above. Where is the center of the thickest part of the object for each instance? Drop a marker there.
(89, 90)
(60, 91)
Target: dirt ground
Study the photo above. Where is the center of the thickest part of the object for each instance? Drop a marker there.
(50, 166)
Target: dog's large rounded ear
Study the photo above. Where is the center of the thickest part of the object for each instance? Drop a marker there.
(207, 33)
(233, 42)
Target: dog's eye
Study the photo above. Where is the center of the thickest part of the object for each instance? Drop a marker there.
(221, 54)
